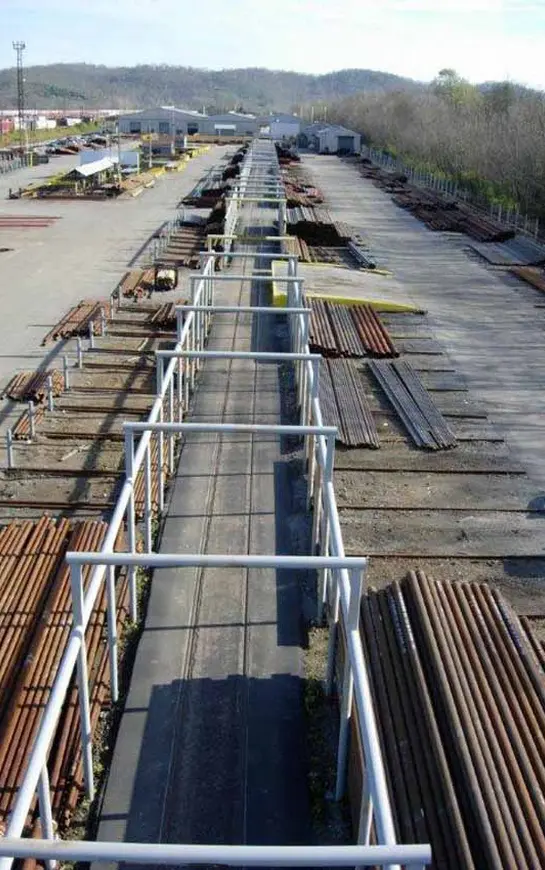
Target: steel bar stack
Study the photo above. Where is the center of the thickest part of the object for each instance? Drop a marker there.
(348, 331)
(460, 695)
(413, 404)
(27, 386)
(35, 623)
(76, 321)
(344, 404)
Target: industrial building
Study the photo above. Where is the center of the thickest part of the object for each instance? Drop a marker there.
(165, 120)
(230, 124)
(280, 126)
(330, 139)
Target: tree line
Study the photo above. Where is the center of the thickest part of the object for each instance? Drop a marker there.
(488, 138)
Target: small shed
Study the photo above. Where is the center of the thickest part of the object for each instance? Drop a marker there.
(338, 140)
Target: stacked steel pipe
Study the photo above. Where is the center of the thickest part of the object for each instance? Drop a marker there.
(344, 404)
(35, 623)
(349, 331)
(77, 320)
(460, 696)
(34, 385)
(413, 404)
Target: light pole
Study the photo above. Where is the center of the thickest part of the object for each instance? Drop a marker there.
(19, 47)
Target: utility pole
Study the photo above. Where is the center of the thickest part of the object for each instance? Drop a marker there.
(19, 47)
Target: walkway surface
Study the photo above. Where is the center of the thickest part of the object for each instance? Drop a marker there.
(211, 744)
(491, 325)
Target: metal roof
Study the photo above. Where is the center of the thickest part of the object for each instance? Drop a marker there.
(96, 166)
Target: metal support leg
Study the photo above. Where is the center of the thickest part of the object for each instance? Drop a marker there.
(46, 815)
(323, 575)
(180, 391)
(76, 580)
(50, 402)
(171, 436)
(66, 373)
(112, 631)
(131, 522)
(148, 507)
(356, 583)
(31, 419)
(9, 448)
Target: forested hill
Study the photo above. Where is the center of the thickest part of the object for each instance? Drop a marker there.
(74, 85)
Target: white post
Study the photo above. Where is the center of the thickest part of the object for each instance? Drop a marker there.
(9, 448)
(80, 352)
(91, 335)
(50, 403)
(356, 582)
(148, 507)
(76, 581)
(131, 521)
(65, 372)
(180, 393)
(31, 419)
(46, 815)
(102, 321)
(171, 436)
(112, 631)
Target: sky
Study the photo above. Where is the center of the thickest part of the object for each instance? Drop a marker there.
(481, 39)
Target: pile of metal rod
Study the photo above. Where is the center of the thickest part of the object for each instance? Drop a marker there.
(460, 697)
(165, 316)
(22, 431)
(413, 404)
(137, 283)
(26, 221)
(36, 619)
(27, 386)
(77, 320)
(316, 226)
(344, 404)
(348, 331)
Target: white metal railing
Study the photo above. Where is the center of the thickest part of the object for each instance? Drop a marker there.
(340, 584)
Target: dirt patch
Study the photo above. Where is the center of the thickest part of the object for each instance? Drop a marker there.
(330, 820)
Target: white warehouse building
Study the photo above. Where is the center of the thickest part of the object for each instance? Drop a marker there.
(280, 126)
(165, 120)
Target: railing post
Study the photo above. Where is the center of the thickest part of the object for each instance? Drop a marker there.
(102, 321)
(148, 507)
(79, 351)
(31, 419)
(9, 448)
(65, 372)
(323, 574)
(356, 582)
(171, 436)
(91, 335)
(46, 815)
(76, 581)
(160, 440)
(315, 367)
(131, 521)
(112, 631)
(50, 403)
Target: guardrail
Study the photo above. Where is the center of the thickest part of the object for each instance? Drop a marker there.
(340, 585)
